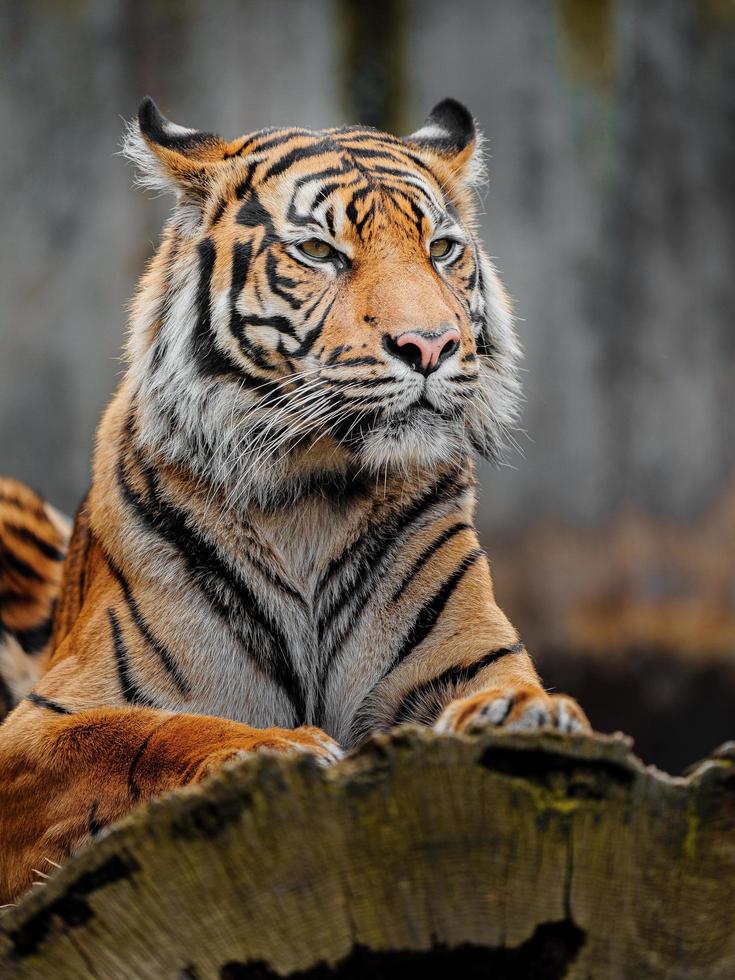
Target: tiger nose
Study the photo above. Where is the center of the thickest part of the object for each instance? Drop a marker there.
(424, 351)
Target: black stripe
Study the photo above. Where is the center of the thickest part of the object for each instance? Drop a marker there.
(254, 351)
(359, 134)
(7, 701)
(239, 151)
(133, 787)
(35, 638)
(366, 558)
(386, 379)
(27, 506)
(284, 136)
(280, 323)
(357, 399)
(437, 692)
(298, 154)
(341, 489)
(245, 185)
(294, 216)
(211, 360)
(367, 359)
(47, 549)
(280, 285)
(41, 702)
(219, 210)
(427, 553)
(331, 186)
(310, 310)
(242, 254)
(93, 825)
(381, 536)
(484, 343)
(130, 690)
(403, 180)
(430, 612)
(368, 569)
(335, 185)
(314, 333)
(12, 597)
(351, 208)
(270, 575)
(364, 152)
(227, 593)
(312, 178)
(202, 341)
(397, 149)
(334, 354)
(418, 214)
(20, 567)
(253, 214)
(146, 632)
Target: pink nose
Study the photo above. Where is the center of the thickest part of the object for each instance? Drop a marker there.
(425, 351)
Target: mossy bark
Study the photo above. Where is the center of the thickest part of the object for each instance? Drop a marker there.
(496, 856)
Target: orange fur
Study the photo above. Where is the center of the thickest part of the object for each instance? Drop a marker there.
(277, 552)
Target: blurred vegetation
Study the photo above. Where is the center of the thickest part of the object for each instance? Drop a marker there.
(372, 62)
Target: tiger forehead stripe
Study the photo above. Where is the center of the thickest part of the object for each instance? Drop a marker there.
(373, 154)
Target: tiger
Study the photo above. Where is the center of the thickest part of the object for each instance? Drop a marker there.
(278, 550)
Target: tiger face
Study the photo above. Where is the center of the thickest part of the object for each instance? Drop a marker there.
(320, 303)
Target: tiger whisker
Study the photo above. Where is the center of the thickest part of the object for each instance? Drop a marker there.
(267, 451)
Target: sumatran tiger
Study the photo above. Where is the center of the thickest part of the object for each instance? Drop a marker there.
(277, 551)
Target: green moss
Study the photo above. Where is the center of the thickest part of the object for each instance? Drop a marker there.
(693, 826)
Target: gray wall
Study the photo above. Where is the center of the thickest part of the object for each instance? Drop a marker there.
(611, 211)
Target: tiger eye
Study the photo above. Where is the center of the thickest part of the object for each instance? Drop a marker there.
(315, 248)
(440, 248)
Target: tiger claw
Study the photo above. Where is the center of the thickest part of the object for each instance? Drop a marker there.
(519, 709)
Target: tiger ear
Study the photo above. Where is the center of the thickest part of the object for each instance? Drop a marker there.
(450, 136)
(169, 157)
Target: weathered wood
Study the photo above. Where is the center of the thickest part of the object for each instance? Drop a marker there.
(496, 856)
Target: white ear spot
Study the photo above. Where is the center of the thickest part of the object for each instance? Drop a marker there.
(166, 156)
(173, 129)
(430, 134)
(450, 132)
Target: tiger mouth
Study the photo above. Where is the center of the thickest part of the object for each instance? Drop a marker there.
(422, 408)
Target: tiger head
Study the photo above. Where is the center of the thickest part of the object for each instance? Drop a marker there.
(320, 303)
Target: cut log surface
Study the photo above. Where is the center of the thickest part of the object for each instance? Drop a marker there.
(498, 855)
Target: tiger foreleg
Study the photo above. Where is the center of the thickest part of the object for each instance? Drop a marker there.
(66, 775)
(515, 707)
(468, 669)
(508, 694)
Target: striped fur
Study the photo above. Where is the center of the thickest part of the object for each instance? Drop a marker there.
(278, 548)
(33, 540)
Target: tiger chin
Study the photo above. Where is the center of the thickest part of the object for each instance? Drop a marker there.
(277, 552)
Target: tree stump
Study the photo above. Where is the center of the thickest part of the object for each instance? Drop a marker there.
(496, 855)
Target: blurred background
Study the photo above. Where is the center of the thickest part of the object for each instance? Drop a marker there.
(611, 214)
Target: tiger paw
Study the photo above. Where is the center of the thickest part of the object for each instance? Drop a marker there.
(307, 739)
(521, 708)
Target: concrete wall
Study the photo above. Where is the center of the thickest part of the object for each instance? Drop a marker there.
(611, 211)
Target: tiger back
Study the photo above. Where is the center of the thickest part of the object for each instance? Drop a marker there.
(33, 542)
